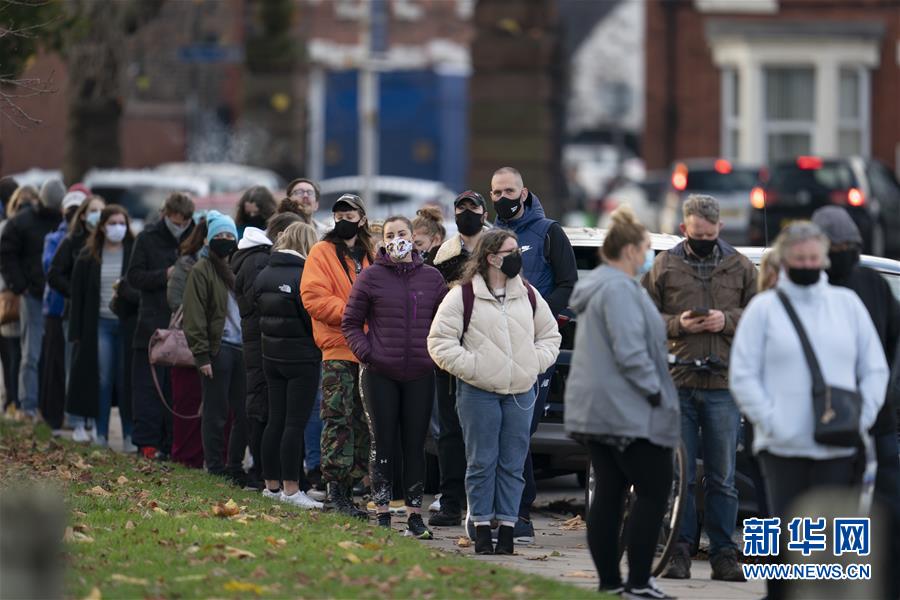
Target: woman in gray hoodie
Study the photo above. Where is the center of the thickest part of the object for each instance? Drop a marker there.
(622, 403)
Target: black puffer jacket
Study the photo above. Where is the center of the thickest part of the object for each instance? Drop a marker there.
(287, 335)
(155, 250)
(247, 264)
(22, 247)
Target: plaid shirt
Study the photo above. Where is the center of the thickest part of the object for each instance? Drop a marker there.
(703, 266)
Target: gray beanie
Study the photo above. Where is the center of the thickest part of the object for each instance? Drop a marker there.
(52, 193)
(837, 224)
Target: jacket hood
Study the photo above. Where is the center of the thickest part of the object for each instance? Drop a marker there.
(286, 259)
(385, 261)
(588, 286)
(253, 236)
(837, 224)
(238, 258)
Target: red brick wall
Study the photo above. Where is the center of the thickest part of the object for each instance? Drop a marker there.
(697, 120)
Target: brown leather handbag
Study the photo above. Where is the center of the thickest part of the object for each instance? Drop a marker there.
(9, 307)
(169, 348)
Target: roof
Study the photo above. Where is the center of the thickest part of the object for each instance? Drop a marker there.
(145, 178)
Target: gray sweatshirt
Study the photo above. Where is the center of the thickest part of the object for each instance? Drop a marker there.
(620, 358)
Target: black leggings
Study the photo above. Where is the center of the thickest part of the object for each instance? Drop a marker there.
(397, 408)
(292, 394)
(225, 390)
(649, 468)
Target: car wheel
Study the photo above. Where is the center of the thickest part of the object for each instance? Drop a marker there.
(582, 478)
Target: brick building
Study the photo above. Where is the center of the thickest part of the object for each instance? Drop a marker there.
(762, 80)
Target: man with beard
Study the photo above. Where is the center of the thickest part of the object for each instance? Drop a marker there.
(305, 195)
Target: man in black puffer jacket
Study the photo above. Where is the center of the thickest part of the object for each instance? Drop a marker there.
(21, 249)
(152, 259)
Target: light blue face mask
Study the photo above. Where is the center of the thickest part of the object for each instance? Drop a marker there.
(91, 219)
(648, 262)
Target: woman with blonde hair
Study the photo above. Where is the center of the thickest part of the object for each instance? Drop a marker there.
(292, 364)
(622, 404)
(428, 231)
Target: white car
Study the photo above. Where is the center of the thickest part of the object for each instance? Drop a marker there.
(36, 177)
(226, 178)
(142, 192)
(393, 196)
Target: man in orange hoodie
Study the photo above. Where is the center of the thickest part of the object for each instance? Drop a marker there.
(331, 268)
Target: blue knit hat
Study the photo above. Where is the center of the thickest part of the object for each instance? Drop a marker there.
(217, 223)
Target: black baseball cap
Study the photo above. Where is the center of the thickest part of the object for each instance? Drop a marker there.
(349, 202)
(471, 196)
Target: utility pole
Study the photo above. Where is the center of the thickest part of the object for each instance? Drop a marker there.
(373, 35)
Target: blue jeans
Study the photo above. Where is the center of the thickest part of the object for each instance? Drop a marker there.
(496, 434)
(529, 494)
(32, 319)
(710, 418)
(111, 362)
(312, 434)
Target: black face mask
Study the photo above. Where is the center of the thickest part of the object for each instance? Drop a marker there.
(256, 221)
(222, 247)
(512, 264)
(702, 248)
(346, 229)
(804, 277)
(468, 222)
(842, 264)
(507, 208)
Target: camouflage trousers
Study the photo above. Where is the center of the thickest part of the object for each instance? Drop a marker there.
(345, 430)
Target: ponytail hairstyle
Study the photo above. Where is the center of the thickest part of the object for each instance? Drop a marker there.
(625, 230)
(429, 219)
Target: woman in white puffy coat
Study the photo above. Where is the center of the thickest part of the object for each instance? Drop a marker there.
(496, 348)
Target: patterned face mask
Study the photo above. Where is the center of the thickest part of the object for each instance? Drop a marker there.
(398, 248)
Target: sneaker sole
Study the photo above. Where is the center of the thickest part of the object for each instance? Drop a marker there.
(524, 540)
(421, 536)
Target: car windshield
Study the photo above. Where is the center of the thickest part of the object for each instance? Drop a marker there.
(790, 178)
(710, 180)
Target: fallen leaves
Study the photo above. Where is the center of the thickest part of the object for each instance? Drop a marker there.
(77, 535)
(417, 573)
(118, 578)
(122, 480)
(574, 524)
(271, 519)
(129, 524)
(349, 545)
(464, 542)
(229, 509)
(238, 553)
(541, 557)
(579, 574)
(99, 492)
(279, 543)
(446, 570)
(243, 586)
(94, 594)
(353, 559)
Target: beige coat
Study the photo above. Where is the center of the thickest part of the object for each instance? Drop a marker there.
(496, 354)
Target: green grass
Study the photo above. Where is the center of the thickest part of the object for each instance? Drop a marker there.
(143, 529)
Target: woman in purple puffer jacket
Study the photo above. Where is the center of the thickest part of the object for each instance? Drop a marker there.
(397, 297)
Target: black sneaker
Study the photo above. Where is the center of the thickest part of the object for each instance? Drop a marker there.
(612, 590)
(725, 566)
(523, 532)
(415, 527)
(680, 563)
(445, 519)
(504, 540)
(314, 476)
(384, 520)
(647, 591)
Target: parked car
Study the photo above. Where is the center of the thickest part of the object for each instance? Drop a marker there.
(227, 181)
(731, 184)
(36, 177)
(795, 189)
(141, 192)
(393, 195)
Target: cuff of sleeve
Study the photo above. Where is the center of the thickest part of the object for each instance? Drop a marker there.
(201, 360)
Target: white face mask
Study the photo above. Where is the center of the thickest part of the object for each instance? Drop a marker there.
(399, 248)
(115, 232)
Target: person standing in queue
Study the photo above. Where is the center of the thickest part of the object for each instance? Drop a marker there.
(97, 335)
(212, 327)
(622, 404)
(495, 334)
(450, 259)
(397, 298)
(331, 269)
(152, 262)
(548, 263)
(428, 232)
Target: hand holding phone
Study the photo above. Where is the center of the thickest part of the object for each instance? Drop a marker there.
(697, 313)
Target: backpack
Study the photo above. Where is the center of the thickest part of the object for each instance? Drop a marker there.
(468, 298)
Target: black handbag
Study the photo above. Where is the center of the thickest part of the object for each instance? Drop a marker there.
(836, 410)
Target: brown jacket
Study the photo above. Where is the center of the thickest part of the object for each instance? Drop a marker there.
(675, 287)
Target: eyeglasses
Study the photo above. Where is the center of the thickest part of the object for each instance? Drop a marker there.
(300, 192)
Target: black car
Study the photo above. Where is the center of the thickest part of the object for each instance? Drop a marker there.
(795, 189)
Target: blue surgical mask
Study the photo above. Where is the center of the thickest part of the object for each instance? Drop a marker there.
(91, 219)
(648, 262)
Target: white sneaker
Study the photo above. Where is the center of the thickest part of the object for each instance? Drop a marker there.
(80, 434)
(271, 495)
(301, 500)
(317, 495)
(436, 505)
(127, 446)
(101, 441)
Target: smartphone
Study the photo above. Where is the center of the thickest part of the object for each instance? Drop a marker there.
(699, 312)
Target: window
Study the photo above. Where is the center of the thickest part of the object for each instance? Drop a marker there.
(789, 104)
(852, 111)
(731, 131)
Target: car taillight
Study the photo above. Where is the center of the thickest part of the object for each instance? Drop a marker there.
(679, 177)
(758, 198)
(809, 163)
(852, 197)
(722, 167)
